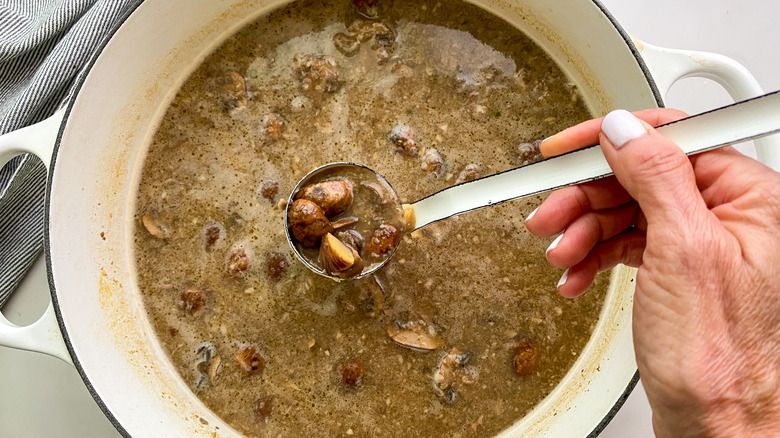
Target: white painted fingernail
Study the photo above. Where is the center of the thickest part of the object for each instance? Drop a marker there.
(563, 279)
(554, 244)
(532, 214)
(621, 126)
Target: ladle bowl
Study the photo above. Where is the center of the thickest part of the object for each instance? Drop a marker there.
(329, 172)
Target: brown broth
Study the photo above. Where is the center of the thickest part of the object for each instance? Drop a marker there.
(469, 86)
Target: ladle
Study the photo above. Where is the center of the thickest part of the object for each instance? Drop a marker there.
(738, 122)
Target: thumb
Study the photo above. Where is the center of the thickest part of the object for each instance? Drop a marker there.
(652, 169)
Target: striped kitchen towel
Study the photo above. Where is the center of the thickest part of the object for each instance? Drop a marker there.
(44, 46)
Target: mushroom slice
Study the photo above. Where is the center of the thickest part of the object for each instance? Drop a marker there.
(366, 8)
(155, 225)
(348, 45)
(214, 369)
(236, 88)
(450, 373)
(205, 367)
(416, 335)
(350, 238)
(335, 257)
(377, 298)
(344, 222)
(376, 190)
(367, 297)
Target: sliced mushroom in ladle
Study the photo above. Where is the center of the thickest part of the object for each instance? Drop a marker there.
(343, 220)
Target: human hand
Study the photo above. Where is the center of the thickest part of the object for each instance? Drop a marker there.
(704, 232)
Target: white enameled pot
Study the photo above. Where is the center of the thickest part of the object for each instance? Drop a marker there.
(94, 151)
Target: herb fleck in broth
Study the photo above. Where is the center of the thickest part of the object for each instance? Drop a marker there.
(276, 349)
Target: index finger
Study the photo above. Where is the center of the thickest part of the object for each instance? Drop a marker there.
(565, 205)
(587, 133)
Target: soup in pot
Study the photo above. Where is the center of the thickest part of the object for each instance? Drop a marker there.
(463, 331)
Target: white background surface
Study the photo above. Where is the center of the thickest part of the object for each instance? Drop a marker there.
(43, 397)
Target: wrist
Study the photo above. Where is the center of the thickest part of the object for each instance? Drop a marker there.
(746, 402)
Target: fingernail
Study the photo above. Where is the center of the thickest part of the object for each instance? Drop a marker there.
(621, 126)
(543, 145)
(554, 244)
(563, 279)
(532, 214)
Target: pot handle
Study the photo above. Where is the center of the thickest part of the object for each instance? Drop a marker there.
(668, 66)
(43, 335)
(38, 139)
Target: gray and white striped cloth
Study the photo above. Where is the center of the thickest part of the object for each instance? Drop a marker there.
(44, 46)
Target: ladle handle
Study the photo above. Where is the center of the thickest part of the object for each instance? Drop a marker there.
(741, 121)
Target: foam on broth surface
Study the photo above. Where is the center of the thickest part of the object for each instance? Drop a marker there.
(225, 292)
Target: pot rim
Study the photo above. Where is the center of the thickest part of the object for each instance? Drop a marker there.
(47, 243)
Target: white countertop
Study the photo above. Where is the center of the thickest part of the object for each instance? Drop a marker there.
(43, 397)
